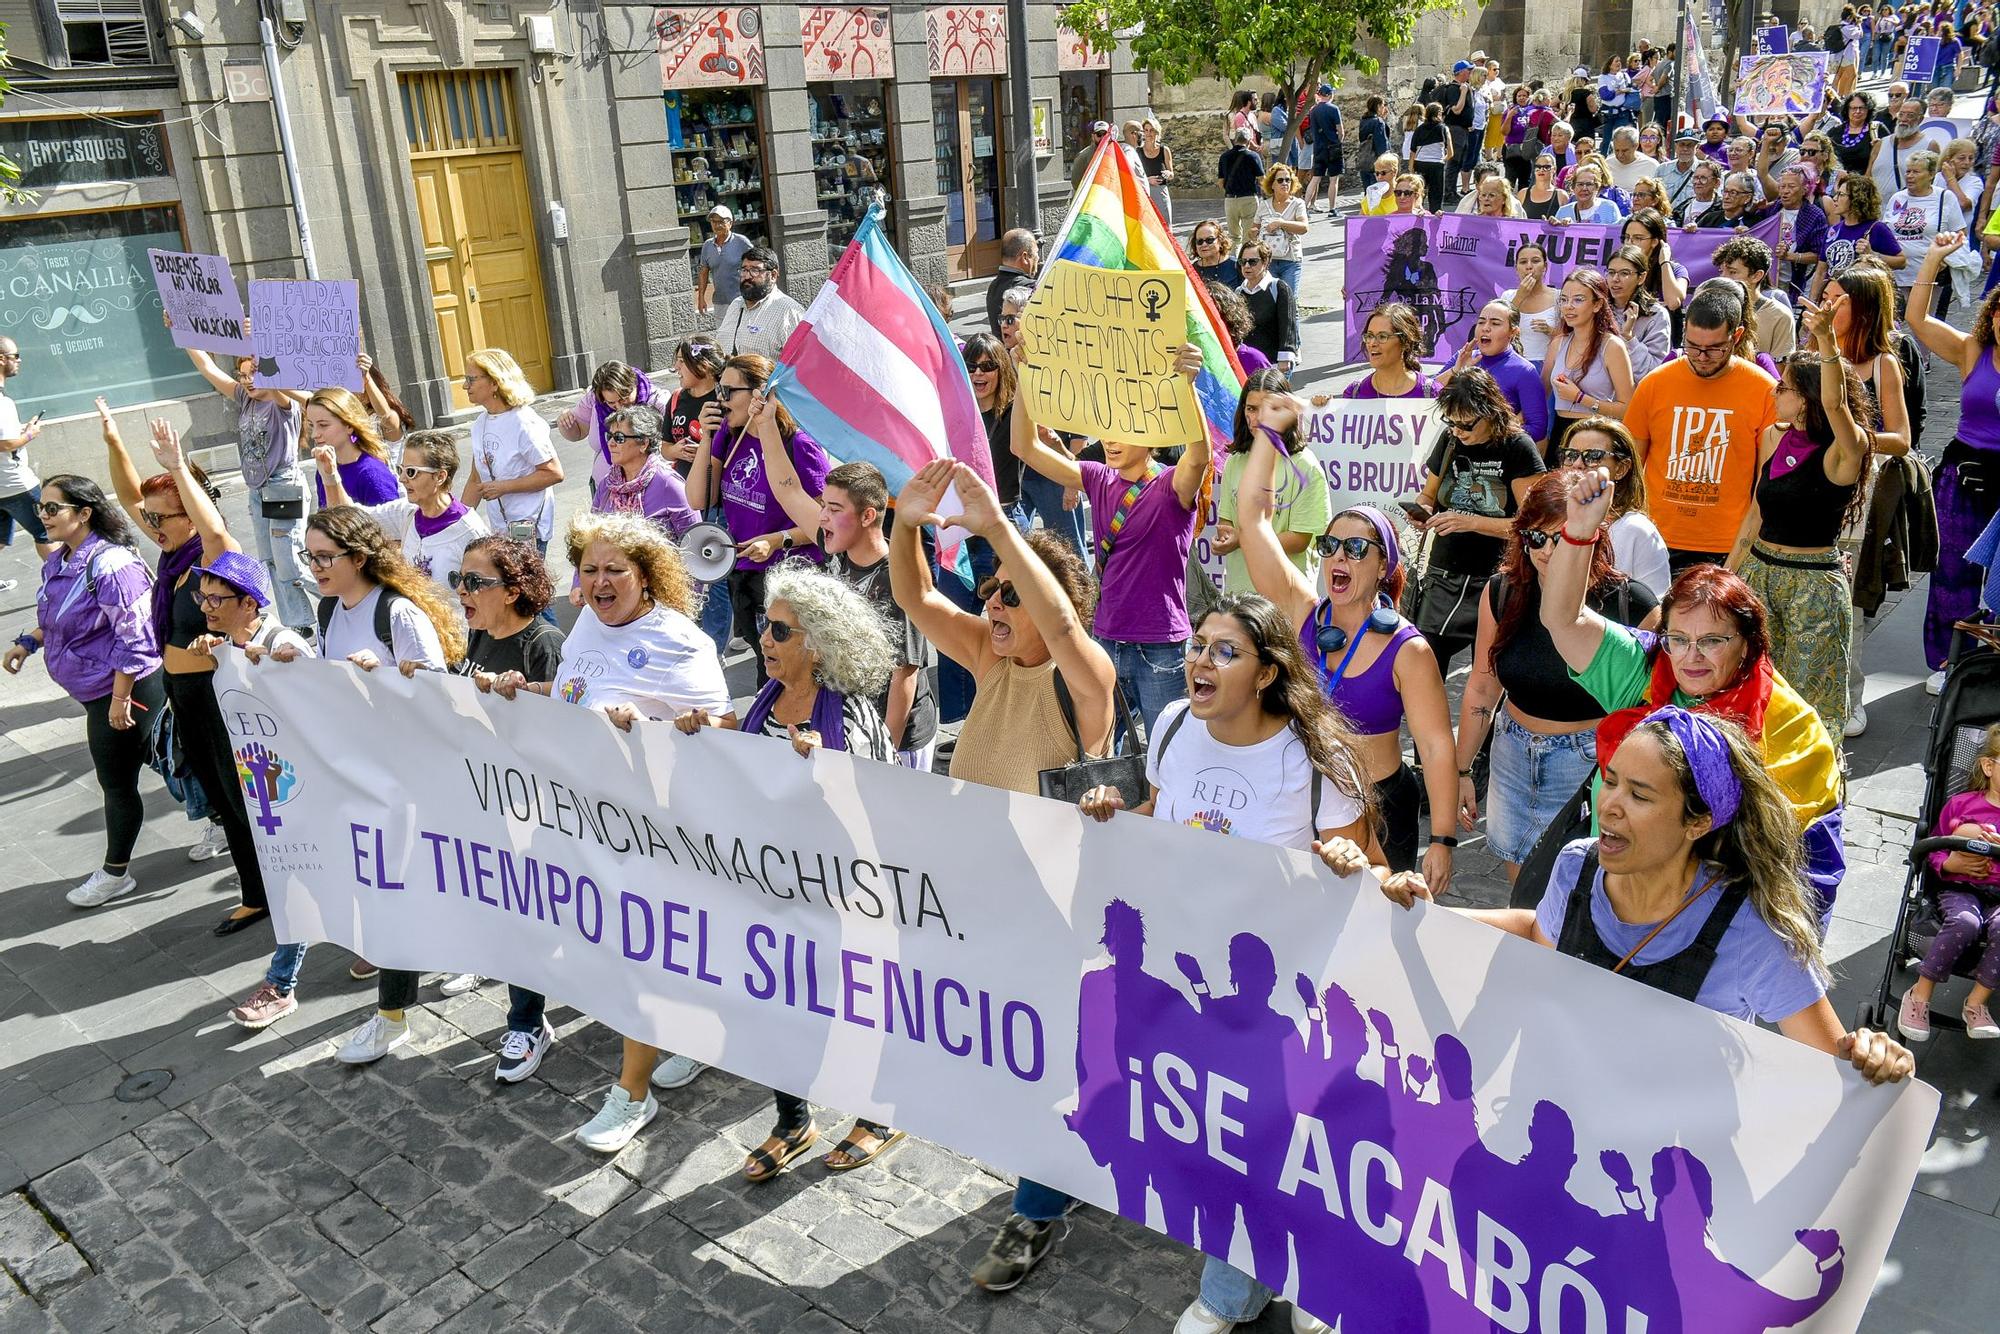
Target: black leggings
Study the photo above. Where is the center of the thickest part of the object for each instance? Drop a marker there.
(1397, 797)
(1432, 174)
(205, 742)
(118, 756)
(746, 602)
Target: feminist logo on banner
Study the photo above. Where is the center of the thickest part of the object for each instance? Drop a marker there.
(306, 335)
(1101, 346)
(1407, 1120)
(1445, 267)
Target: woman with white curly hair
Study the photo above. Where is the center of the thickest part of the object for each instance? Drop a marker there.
(828, 655)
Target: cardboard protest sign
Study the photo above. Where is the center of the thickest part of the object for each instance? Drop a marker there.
(1781, 85)
(1100, 346)
(306, 335)
(199, 293)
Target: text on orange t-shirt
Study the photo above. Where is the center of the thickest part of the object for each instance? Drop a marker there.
(1699, 439)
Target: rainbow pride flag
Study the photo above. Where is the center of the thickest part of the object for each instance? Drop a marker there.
(1114, 224)
(874, 373)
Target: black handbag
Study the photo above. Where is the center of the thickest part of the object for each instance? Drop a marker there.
(273, 502)
(1125, 771)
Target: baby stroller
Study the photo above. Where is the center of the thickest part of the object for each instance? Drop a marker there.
(1968, 704)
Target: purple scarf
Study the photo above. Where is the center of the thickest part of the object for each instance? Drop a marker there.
(173, 564)
(426, 526)
(628, 495)
(827, 717)
(643, 393)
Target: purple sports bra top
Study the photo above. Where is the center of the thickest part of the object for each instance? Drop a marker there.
(1368, 698)
(1979, 405)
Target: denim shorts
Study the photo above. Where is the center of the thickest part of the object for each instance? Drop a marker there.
(1533, 777)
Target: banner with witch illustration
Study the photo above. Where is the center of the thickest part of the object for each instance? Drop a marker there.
(1408, 1119)
(1447, 266)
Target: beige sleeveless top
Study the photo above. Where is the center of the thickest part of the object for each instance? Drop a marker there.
(1015, 729)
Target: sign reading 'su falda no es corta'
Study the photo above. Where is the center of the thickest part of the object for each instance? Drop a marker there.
(1407, 1120)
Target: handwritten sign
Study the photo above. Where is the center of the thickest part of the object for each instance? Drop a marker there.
(1920, 60)
(1101, 348)
(306, 335)
(199, 293)
(1781, 85)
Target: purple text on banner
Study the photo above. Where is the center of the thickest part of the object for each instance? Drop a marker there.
(1920, 60)
(1446, 267)
(199, 294)
(307, 334)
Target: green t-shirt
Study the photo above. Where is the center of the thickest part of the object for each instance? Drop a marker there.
(1620, 672)
(1303, 506)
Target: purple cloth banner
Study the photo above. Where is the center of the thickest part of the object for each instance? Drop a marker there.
(1447, 266)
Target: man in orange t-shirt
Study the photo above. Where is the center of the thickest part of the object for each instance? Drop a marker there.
(1697, 420)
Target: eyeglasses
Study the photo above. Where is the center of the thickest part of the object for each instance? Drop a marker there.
(1809, 152)
(1384, 175)
(1535, 539)
(1377, 336)
(1462, 424)
(1010, 319)
(1326, 544)
(781, 632)
(320, 560)
(1694, 349)
(754, 271)
(473, 377)
(1406, 194)
(1545, 166)
(1708, 645)
(154, 518)
(411, 471)
(48, 509)
(626, 438)
(725, 392)
(463, 582)
(1589, 458)
(1009, 596)
(984, 368)
(1201, 241)
(1220, 652)
(215, 601)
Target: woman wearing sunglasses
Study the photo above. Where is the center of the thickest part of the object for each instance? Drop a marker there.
(1541, 198)
(828, 656)
(1713, 655)
(432, 525)
(638, 480)
(1636, 545)
(1543, 725)
(1373, 665)
(94, 615)
(1379, 199)
(1208, 248)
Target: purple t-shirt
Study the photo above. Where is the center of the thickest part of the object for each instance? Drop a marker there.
(368, 481)
(1251, 360)
(1143, 598)
(1365, 388)
(750, 509)
(1839, 249)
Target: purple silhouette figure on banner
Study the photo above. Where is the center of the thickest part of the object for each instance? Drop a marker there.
(1714, 1293)
(1130, 1011)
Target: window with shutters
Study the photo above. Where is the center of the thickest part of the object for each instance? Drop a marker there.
(107, 32)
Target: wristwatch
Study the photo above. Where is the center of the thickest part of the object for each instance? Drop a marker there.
(785, 543)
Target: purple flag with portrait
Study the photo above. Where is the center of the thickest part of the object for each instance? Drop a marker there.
(1447, 266)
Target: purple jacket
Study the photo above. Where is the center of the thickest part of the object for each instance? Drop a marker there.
(95, 611)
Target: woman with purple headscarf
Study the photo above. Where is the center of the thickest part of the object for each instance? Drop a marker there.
(613, 385)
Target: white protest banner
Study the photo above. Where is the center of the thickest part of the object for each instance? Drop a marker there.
(307, 335)
(1100, 355)
(199, 293)
(1372, 451)
(1455, 1128)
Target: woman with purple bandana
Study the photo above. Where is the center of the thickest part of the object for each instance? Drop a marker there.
(94, 615)
(614, 386)
(1693, 886)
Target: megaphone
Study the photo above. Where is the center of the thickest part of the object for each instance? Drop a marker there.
(709, 552)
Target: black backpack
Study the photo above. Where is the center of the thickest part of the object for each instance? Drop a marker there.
(384, 607)
(1912, 358)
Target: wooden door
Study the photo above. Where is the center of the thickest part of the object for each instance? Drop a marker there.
(971, 172)
(480, 249)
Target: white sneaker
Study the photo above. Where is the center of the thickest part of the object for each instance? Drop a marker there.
(676, 1072)
(460, 983)
(100, 889)
(1198, 1319)
(1308, 1324)
(1857, 722)
(373, 1040)
(617, 1121)
(521, 1053)
(213, 843)
(1934, 683)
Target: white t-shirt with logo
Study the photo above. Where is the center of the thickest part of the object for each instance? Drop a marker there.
(511, 444)
(438, 555)
(15, 474)
(660, 663)
(1259, 792)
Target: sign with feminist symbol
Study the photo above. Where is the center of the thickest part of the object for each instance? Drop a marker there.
(1100, 349)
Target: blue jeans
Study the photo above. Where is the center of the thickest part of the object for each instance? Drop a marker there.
(1231, 1293)
(1532, 778)
(1040, 496)
(21, 509)
(281, 544)
(1038, 1203)
(286, 960)
(717, 615)
(1151, 675)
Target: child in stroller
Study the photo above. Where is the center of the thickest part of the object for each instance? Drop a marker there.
(1968, 902)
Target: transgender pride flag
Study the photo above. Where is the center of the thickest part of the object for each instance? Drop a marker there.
(874, 374)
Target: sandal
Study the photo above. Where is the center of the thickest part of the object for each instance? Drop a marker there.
(847, 1147)
(763, 1164)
